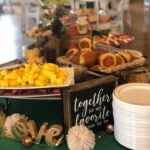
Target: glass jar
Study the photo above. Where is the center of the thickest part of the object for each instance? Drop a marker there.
(82, 25)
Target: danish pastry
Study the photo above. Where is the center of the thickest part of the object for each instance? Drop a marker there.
(87, 58)
(120, 60)
(107, 60)
(127, 56)
(85, 43)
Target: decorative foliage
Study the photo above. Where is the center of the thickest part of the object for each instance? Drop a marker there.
(51, 17)
(80, 138)
(58, 30)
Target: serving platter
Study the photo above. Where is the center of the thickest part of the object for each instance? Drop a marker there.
(30, 96)
(43, 97)
(69, 80)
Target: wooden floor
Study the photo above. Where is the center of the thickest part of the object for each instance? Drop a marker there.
(12, 39)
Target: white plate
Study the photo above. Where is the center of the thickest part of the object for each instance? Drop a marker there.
(131, 142)
(134, 93)
(133, 97)
(68, 81)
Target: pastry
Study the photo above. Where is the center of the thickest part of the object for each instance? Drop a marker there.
(76, 58)
(87, 58)
(136, 54)
(92, 18)
(127, 56)
(79, 12)
(86, 49)
(104, 18)
(85, 43)
(97, 68)
(71, 53)
(88, 11)
(107, 60)
(98, 53)
(120, 60)
(114, 39)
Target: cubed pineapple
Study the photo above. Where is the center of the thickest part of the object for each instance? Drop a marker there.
(4, 72)
(39, 83)
(53, 79)
(13, 83)
(59, 81)
(4, 83)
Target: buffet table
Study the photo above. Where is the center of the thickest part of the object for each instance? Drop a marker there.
(45, 111)
(106, 142)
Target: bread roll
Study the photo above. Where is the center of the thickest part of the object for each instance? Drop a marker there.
(85, 43)
(127, 56)
(120, 60)
(104, 18)
(79, 12)
(92, 18)
(136, 54)
(86, 49)
(107, 60)
(71, 52)
(87, 58)
(98, 53)
(76, 58)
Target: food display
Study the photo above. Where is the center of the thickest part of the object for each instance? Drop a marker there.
(94, 61)
(113, 39)
(85, 43)
(82, 25)
(107, 61)
(104, 18)
(80, 55)
(32, 55)
(39, 31)
(33, 76)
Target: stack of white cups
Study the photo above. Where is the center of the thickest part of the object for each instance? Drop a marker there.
(131, 111)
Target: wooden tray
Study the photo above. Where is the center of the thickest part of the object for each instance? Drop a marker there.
(136, 62)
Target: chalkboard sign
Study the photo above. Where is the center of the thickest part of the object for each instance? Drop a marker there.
(89, 103)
